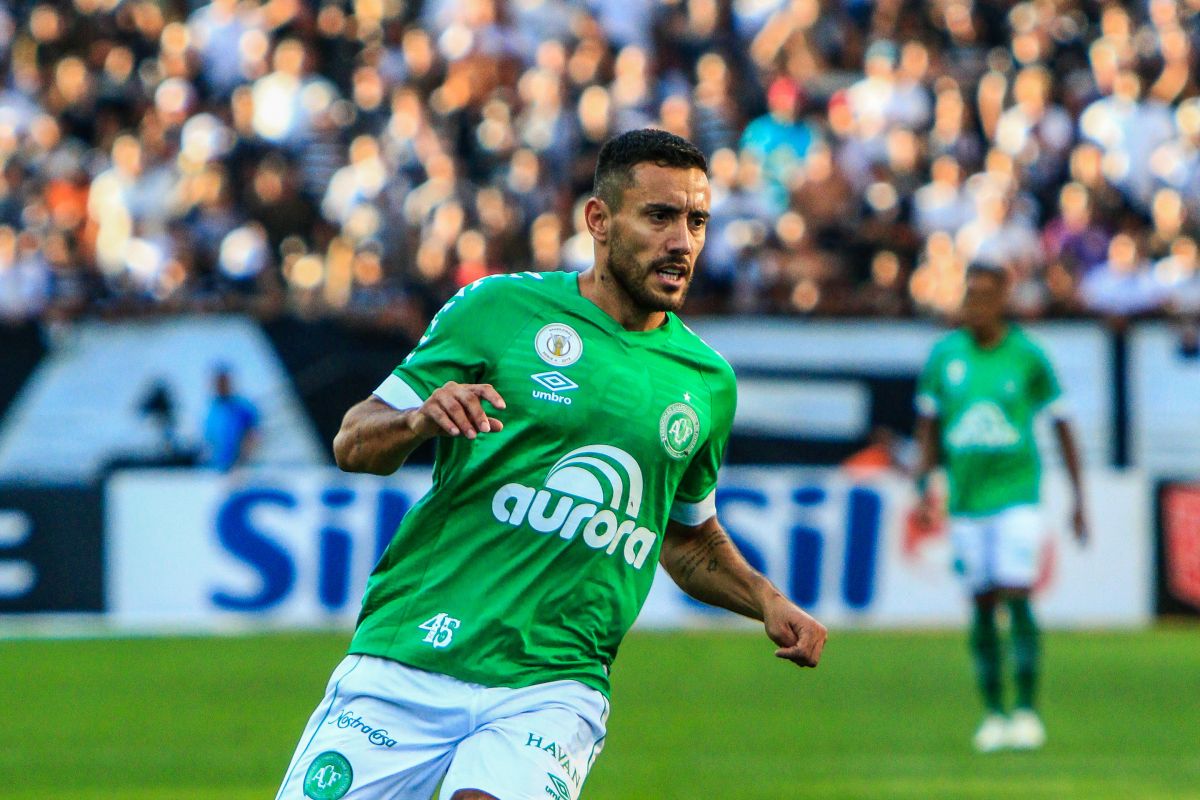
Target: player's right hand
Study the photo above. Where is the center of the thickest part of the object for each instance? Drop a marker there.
(456, 409)
(928, 512)
(799, 636)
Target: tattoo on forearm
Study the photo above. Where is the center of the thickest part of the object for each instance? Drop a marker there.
(702, 552)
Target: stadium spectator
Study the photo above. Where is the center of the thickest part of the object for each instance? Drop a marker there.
(953, 133)
(997, 236)
(1035, 132)
(1179, 276)
(1073, 240)
(942, 204)
(1176, 163)
(717, 115)
(1128, 129)
(741, 218)
(217, 32)
(115, 119)
(24, 276)
(1124, 285)
(1168, 217)
(780, 140)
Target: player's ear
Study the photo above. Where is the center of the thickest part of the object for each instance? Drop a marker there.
(599, 219)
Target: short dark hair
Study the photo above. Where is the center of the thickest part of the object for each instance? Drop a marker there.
(996, 271)
(620, 154)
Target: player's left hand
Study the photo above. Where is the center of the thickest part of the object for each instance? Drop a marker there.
(1079, 524)
(800, 637)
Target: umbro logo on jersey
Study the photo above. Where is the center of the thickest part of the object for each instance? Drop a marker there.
(555, 381)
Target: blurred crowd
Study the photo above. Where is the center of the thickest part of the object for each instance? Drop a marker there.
(367, 157)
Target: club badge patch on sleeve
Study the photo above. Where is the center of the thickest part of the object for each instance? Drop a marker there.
(679, 430)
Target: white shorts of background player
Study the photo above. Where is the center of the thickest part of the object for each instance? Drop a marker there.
(999, 551)
(398, 731)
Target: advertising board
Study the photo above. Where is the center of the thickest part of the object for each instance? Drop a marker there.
(50, 550)
(190, 549)
(1180, 546)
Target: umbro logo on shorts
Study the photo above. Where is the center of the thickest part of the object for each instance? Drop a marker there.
(557, 788)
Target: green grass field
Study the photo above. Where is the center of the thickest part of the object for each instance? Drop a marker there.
(703, 715)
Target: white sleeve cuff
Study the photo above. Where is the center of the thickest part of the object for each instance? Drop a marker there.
(398, 394)
(926, 405)
(692, 514)
(1059, 408)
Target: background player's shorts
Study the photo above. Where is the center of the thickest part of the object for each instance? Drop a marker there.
(999, 551)
(386, 730)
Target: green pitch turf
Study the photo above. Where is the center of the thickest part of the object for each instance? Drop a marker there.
(704, 715)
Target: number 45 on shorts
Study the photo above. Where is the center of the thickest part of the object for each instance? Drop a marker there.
(441, 629)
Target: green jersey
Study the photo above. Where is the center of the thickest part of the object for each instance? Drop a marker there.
(532, 554)
(986, 401)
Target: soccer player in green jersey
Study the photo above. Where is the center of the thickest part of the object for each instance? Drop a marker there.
(977, 400)
(580, 426)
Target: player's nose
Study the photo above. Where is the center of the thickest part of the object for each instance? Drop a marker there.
(679, 239)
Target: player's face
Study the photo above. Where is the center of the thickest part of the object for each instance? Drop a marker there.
(984, 301)
(658, 234)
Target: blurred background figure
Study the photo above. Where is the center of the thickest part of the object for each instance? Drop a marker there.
(979, 395)
(159, 408)
(231, 426)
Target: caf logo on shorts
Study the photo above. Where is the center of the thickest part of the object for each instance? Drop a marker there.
(329, 777)
(558, 344)
(679, 430)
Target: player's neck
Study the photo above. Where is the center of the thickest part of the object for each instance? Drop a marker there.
(989, 336)
(613, 300)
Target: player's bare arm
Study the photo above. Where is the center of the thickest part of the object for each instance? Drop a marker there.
(928, 441)
(706, 564)
(377, 438)
(1073, 463)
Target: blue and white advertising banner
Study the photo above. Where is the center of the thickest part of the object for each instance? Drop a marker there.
(192, 550)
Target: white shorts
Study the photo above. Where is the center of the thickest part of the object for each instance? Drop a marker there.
(386, 730)
(999, 551)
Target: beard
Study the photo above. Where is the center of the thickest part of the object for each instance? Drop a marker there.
(634, 278)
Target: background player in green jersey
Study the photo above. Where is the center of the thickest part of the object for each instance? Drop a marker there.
(977, 400)
(580, 429)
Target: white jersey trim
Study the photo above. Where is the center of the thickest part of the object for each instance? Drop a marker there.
(398, 394)
(1059, 409)
(692, 514)
(927, 405)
